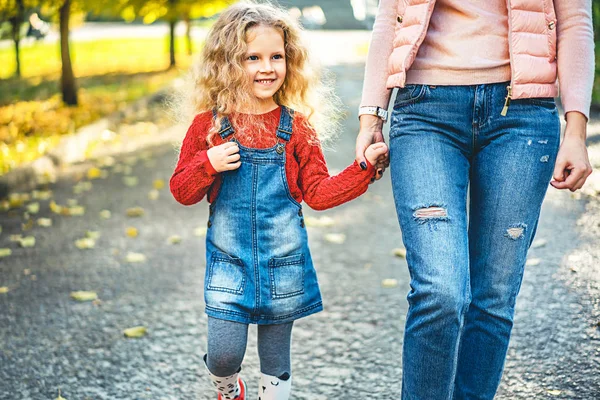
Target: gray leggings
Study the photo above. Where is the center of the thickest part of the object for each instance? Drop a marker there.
(227, 346)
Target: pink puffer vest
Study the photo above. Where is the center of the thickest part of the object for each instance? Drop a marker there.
(532, 43)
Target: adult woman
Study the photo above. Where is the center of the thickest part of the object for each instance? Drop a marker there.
(475, 108)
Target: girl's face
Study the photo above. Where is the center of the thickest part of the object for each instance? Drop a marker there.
(265, 63)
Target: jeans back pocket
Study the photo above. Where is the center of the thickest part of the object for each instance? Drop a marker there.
(287, 276)
(226, 274)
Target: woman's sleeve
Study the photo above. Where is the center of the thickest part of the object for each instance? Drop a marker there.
(194, 174)
(575, 57)
(320, 190)
(375, 91)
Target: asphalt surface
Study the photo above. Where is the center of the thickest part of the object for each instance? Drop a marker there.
(352, 350)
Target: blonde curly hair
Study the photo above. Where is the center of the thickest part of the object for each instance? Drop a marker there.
(219, 81)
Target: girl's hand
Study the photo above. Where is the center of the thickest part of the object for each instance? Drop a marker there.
(375, 152)
(371, 132)
(224, 157)
(572, 164)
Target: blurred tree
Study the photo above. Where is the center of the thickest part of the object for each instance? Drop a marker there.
(172, 11)
(14, 11)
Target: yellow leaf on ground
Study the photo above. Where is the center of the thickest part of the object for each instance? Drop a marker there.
(135, 332)
(27, 241)
(135, 212)
(92, 234)
(321, 222)
(554, 392)
(105, 214)
(399, 252)
(83, 295)
(131, 231)
(44, 222)
(81, 187)
(389, 283)
(55, 208)
(15, 238)
(130, 181)
(72, 202)
(337, 238)
(4, 289)
(33, 208)
(154, 194)
(175, 239)
(532, 262)
(135, 257)
(59, 396)
(200, 231)
(158, 184)
(76, 211)
(85, 243)
(94, 173)
(41, 194)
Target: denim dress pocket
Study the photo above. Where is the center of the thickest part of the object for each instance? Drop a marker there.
(225, 274)
(287, 276)
(409, 94)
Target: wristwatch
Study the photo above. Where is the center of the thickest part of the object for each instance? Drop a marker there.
(373, 110)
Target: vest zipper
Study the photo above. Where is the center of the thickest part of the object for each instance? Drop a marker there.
(506, 101)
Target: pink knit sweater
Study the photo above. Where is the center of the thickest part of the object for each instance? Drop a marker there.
(464, 46)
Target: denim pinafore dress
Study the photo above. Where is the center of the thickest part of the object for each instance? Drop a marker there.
(258, 266)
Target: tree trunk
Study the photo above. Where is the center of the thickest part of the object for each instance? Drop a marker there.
(68, 85)
(188, 35)
(16, 37)
(15, 23)
(172, 43)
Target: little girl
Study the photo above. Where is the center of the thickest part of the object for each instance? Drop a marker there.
(256, 160)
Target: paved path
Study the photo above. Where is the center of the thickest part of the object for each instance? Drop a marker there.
(48, 341)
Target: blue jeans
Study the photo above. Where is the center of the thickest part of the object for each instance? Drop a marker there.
(466, 272)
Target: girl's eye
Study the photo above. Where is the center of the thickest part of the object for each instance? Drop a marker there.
(277, 57)
(252, 58)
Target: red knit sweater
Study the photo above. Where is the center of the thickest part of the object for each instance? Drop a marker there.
(307, 175)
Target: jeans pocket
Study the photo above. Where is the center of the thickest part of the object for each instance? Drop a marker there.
(409, 94)
(287, 276)
(225, 274)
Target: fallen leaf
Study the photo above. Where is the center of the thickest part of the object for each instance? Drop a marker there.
(532, 262)
(200, 231)
(27, 241)
(55, 208)
(44, 222)
(4, 289)
(76, 211)
(175, 239)
(154, 194)
(15, 238)
(321, 222)
(389, 283)
(337, 238)
(84, 186)
(92, 234)
(33, 208)
(554, 392)
(399, 252)
(135, 257)
(135, 212)
(72, 202)
(94, 173)
(27, 225)
(130, 181)
(85, 243)
(539, 243)
(59, 396)
(105, 214)
(131, 231)
(26, 272)
(83, 295)
(158, 184)
(41, 194)
(135, 332)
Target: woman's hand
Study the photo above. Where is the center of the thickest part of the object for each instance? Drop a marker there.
(371, 132)
(375, 151)
(224, 157)
(572, 164)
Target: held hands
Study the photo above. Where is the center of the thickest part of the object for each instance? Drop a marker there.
(224, 157)
(374, 152)
(572, 164)
(370, 133)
